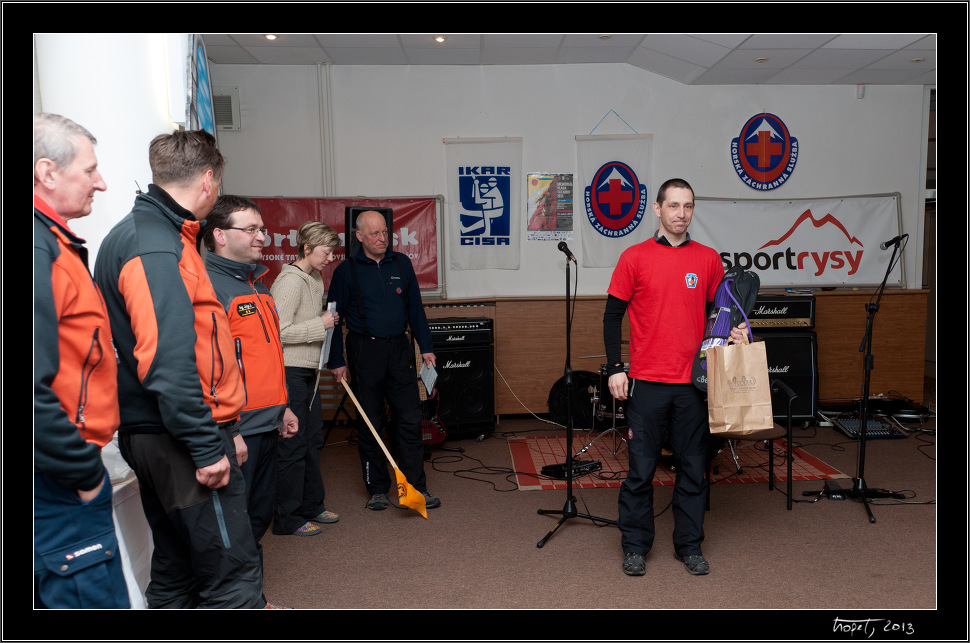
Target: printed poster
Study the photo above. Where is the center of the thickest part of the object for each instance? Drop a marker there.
(550, 214)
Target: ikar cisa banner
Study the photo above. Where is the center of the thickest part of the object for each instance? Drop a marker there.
(617, 207)
(804, 242)
(484, 202)
(414, 230)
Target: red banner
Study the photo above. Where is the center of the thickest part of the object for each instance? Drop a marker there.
(414, 229)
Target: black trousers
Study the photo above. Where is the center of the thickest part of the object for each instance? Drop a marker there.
(678, 411)
(205, 554)
(300, 492)
(384, 369)
(260, 472)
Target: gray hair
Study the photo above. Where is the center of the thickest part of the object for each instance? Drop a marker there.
(55, 138)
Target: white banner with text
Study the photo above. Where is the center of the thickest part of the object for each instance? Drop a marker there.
(613, 198)
(810, 243)
(483, 214)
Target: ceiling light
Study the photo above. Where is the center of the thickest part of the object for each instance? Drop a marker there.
(270, 36)
(439, 38)
(761, 59)
(605, 36)
(916, 60)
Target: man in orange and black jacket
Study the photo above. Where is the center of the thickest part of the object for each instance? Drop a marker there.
(172, 334)
(233, 238)
(76, 558)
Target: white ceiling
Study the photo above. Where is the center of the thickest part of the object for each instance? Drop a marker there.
(692, 59)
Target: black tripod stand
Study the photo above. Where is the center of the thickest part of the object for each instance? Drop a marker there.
(569, 509)
(859, 490)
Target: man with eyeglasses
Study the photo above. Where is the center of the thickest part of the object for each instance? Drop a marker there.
(377, 294)
(233, 238)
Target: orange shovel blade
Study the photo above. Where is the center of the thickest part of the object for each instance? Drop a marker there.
(408, 495)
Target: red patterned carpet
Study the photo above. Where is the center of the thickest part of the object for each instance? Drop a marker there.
(531, 454)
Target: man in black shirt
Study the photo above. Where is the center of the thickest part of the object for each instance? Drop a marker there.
(377, 296)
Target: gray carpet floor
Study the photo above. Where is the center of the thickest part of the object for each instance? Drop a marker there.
(824, 560)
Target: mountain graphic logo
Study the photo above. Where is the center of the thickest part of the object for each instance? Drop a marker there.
(807, 215)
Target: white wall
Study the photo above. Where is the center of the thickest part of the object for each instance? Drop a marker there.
(389, 121)
(278, 151)
(116, 86)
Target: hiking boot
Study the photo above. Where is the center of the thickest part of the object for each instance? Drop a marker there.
(377, 502)
(430, 502)
(634, 564)
(326, 517)
(694, 563)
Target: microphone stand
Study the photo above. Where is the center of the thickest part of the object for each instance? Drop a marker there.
(569, 508)
(859, 490)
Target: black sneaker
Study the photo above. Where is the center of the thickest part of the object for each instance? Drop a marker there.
(377, 502)
(634, 564)
(431, 502)
(694, 563)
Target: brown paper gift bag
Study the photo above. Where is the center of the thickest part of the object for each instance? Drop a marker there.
(738, 390)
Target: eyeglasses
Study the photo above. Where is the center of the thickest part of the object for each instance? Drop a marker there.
(253, 230)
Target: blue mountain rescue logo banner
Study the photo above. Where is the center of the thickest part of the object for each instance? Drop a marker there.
(485, 197)
(615, 200)
(483, 215)
(764, 154)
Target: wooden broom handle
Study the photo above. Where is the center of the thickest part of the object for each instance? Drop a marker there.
(369, 425)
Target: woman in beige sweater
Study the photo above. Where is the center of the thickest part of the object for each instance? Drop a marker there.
(299, 295)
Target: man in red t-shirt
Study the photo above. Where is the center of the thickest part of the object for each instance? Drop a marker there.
(665, 284)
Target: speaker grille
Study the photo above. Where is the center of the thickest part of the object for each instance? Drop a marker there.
(466, 365)
(465, 386)
(793, 359)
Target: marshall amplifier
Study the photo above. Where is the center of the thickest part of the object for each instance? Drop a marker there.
(460, 331)
(783, 311)
(466, 382)
(793, 359)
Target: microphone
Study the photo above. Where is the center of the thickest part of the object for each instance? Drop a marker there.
(565, 249)
(891, 242)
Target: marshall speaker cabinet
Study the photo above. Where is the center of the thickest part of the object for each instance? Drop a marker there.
(785, 322)
(465, 364)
